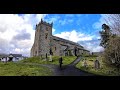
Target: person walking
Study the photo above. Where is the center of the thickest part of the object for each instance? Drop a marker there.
(60, 62)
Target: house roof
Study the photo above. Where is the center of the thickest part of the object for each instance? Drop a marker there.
(16, 55)
(3, 55)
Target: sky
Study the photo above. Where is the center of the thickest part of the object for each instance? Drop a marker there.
(17, 31)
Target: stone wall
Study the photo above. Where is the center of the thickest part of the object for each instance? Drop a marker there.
(55, 48)
(44, 41)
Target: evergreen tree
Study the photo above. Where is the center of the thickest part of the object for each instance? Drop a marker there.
(105, 35)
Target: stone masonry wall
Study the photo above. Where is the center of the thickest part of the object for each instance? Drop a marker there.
(44, 41)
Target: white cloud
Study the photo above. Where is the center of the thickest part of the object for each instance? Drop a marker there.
(53, 30)
(39, 16)
(14, 27)
(92, 45)
(90, 42)
(65, 21)
(12, 30)
(103, 19)
(74, 36)
(52, 19)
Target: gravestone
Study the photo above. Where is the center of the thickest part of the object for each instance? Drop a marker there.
(85, 64)
(41, 56)
(51, 53)
(97, 64)
(50, 58)
(113, 60)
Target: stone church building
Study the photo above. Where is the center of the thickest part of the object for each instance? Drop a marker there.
(45, 42)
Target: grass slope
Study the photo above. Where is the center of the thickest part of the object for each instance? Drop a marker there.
(66, 60)
(17, 69)
(21, 68)
(104, 70)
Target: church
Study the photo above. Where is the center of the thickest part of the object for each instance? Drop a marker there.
(45, 43)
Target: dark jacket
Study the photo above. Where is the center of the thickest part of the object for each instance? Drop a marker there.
(60, 60)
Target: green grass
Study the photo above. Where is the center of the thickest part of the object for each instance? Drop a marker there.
(27, 67)
(17, 69)
(66, 60)
(104, 69)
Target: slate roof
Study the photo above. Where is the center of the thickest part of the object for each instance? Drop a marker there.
(71, 42)
(66, 41)
(16, 55)
(3, 55)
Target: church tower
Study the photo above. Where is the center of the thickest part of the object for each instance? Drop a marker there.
(43, 35)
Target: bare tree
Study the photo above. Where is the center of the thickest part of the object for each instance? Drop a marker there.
(111, 44)
(113, 20)
(112, 52)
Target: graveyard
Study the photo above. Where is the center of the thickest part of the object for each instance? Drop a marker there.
(55, 60)
(32, 67)
(103, 69)
(36, 66)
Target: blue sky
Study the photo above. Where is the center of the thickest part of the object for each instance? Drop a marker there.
(17, 31)
(80, 28)
(67, 22)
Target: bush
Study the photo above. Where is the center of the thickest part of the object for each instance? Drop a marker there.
(112, 52)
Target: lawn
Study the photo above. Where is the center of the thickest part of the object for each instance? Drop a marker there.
(104, 70)
(22, 68)
(66, 60)
(17, 69)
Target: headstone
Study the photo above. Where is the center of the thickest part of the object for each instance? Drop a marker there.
(97, 64)
(113, 60)
(50, 58)
(41, 57)
(51, 53)
(85, 64)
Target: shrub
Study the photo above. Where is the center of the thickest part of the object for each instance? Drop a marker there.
(112, 52)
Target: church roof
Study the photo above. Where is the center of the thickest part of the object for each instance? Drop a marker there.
(67, 41)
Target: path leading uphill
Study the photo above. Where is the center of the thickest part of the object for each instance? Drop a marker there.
(69, 70)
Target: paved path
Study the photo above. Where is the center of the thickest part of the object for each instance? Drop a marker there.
(67, 70)
(75, 62)
(71, 70)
